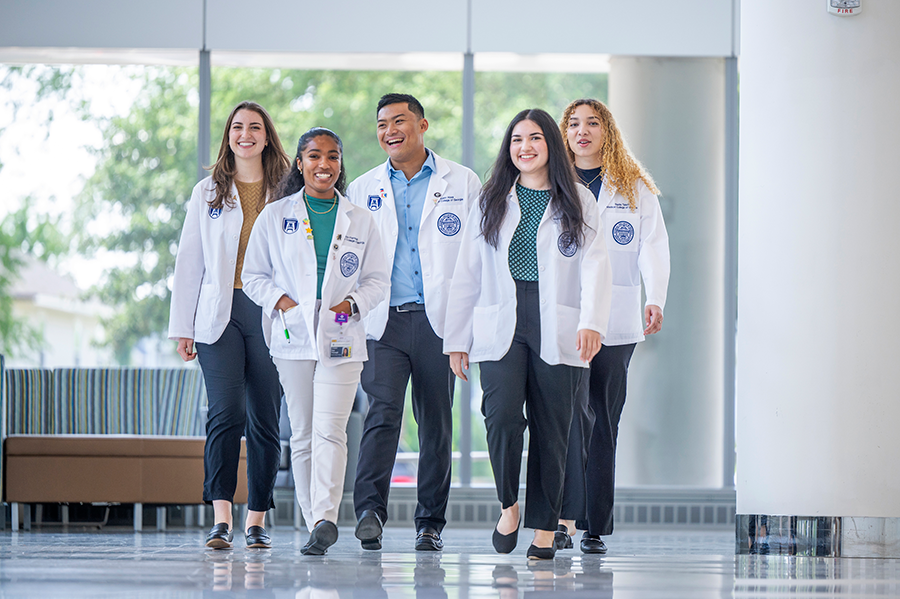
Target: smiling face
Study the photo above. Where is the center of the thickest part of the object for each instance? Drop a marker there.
(320, 163)
(584, 132)
(529, 154)
(401, 134)
(247, 135)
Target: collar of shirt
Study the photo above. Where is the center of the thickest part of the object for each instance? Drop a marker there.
(428, 164)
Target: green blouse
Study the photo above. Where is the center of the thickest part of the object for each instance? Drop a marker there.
(523, 262)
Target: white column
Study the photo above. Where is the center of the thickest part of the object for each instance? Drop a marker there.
(672, 114)
(818, 377)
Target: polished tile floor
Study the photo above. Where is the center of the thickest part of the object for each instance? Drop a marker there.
(664, 564)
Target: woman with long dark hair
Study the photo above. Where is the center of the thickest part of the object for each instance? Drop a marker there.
(315, 264)
(529, 302)
(639, 249)
(210, 316)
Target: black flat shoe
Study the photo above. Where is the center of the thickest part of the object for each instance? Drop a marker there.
(219, 536)
(257, 538)
(323, 536)
(562, 539)
(592, 544)
(368, 530)
(429, 539)
(505, 543)
(535, 552)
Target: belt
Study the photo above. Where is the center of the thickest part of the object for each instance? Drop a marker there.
(409, 307)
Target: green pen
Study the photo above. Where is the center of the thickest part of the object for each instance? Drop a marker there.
(286, 334)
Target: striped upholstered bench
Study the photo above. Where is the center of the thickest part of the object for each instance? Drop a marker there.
(102, 435)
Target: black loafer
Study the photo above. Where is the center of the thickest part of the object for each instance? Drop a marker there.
(561, 538)
(429, 539)
(219, 537)
(592, 544)
(535, 552)
(323, 536)
(368, 530)
(505, 543)
(257, 538)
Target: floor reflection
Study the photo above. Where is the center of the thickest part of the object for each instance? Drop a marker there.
(75, 564)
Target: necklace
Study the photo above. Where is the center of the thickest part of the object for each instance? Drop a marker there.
(306, 199)
(588, 185)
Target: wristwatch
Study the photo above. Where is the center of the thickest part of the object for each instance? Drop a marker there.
(354, 309)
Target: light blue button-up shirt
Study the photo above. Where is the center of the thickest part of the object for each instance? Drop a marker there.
(409, 198)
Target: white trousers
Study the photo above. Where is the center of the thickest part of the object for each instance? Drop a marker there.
(319, 401)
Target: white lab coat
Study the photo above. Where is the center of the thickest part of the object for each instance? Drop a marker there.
(575, 290)
(203, 283)
(452, 190)
(638, 248)
(281, 260)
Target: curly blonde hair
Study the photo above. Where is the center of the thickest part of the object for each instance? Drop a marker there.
(620, 167)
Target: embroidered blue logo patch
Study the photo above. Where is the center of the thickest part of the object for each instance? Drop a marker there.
(374, 203)
(215, 213)
(349, 264)
(290, 225)
(623, 232)
(449, 224)
(566, 244)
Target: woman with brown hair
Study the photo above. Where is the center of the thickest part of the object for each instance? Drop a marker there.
(209, 310)
(638, 249)
(529, 302)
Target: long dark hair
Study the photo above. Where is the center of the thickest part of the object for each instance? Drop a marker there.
(564, 201)
(274, 160)
(292, 182)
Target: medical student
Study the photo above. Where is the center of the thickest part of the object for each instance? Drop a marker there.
(529, 301)
(211, 317)
(420, 202)
(315, 264)
(639, 249)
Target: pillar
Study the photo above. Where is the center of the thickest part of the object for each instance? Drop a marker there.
(817, 409)
(672, 114)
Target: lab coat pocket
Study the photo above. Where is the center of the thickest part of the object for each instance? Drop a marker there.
(484, 328)
(567, 319)
(296, 330)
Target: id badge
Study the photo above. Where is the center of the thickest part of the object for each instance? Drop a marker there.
(341, 347)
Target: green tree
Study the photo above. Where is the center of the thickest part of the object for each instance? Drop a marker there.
(25, 231)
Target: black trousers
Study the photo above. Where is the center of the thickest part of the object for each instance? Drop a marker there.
(547, 392)
(244, 399)
(408, 348)
(591, 468)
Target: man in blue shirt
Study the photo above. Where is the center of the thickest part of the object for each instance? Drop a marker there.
(420, 202)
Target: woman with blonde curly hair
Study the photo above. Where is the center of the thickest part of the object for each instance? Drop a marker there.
(639, 249)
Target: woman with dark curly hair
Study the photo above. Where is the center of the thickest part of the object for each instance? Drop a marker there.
(638, 249)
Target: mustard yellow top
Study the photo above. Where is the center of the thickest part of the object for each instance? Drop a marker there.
(251, 195)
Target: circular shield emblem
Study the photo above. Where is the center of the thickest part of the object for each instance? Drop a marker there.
(566, 245)
(449, 224)
(623, 232)
(215, 213)
(349, 264)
